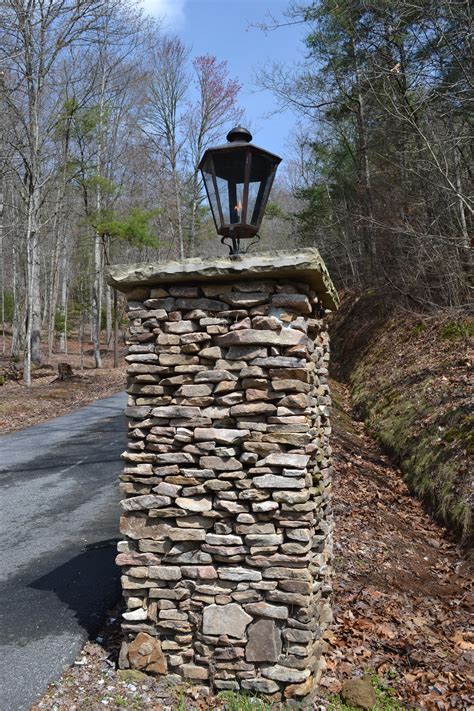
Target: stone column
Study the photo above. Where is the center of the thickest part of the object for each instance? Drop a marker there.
(226, 512)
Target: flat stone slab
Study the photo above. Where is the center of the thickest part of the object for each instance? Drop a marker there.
(304, 265)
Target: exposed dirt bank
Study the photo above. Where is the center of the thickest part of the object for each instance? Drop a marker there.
(410, 379)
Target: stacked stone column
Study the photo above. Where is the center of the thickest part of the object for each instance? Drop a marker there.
(226, 514)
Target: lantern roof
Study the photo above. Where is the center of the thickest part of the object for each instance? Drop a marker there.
(238, 137)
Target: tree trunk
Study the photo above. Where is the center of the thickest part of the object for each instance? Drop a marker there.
(97, 301)
(115, 329)
(2, 274)
(179, 220)
(108, 315)
(33, 300)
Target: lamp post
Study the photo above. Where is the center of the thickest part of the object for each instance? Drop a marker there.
(238, 177)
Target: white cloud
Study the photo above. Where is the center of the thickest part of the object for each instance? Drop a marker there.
(170, 11)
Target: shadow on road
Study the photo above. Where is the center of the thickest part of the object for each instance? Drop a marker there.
(89, 584)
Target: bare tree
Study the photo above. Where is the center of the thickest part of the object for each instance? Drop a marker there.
(167, 86)
(215, 108)
(34, 35)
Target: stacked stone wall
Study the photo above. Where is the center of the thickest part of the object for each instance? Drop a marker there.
(226, 511)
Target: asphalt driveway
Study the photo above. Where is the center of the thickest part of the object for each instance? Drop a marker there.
(58, 527)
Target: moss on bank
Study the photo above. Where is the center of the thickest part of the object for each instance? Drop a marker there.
(410, 383)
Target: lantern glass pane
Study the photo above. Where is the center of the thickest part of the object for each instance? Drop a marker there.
(211, 194)
(230, 175)
(235, 199)
(261, 199)
(261, 176)
(222, 189)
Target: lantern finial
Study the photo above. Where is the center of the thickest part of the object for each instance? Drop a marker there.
(239, 133)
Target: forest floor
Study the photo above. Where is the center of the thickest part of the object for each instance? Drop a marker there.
(47, 397)
(401, 604)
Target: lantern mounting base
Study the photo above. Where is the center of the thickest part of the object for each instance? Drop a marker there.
(234, 245)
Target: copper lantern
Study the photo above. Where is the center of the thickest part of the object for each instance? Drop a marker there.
(238, 177)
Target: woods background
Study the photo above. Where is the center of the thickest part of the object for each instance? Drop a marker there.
(103, 119)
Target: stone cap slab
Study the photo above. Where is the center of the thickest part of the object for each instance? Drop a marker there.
(304, 265)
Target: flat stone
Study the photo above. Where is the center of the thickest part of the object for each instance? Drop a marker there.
(273, 481)
(197, 522)
(203, 304)
(239, 574)
(288, 598)
(137, 559)
(261, 685)
(290, 385)
(211, 290)
(246, 353)
(147, 501)
(304, 265)
(186, 534)
(291, 497)
(164, 572)
(264, 539)
(227, 436)
(293, 438)
(184, 291)
(245, 300)
(139, 526)
(264, 506)
(298, 401)
(214, 376)
(226, 386)
(264, 642)
(193, 338)
(279, 362)
(196, 504)
(200, 572)
(167, 489)
(176, 411)
(255, 528)
(286, 337)
(180, 327)
(252, 408)
(279, 459)
(229, 620)
(174, 458)
(142, 358)
(263, 609)
(213, 353)
(201, 390)
(279, 673)
(215, 539)
(280, 573)
(137, 413)
(231, 398)
(293, 302)
(165, 303)
(214, 413)
(138, 615)
(192, 671)
(219, 464)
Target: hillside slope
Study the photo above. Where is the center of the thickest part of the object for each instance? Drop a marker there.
(410, 379)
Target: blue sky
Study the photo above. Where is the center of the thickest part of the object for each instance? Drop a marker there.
(225, 29)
